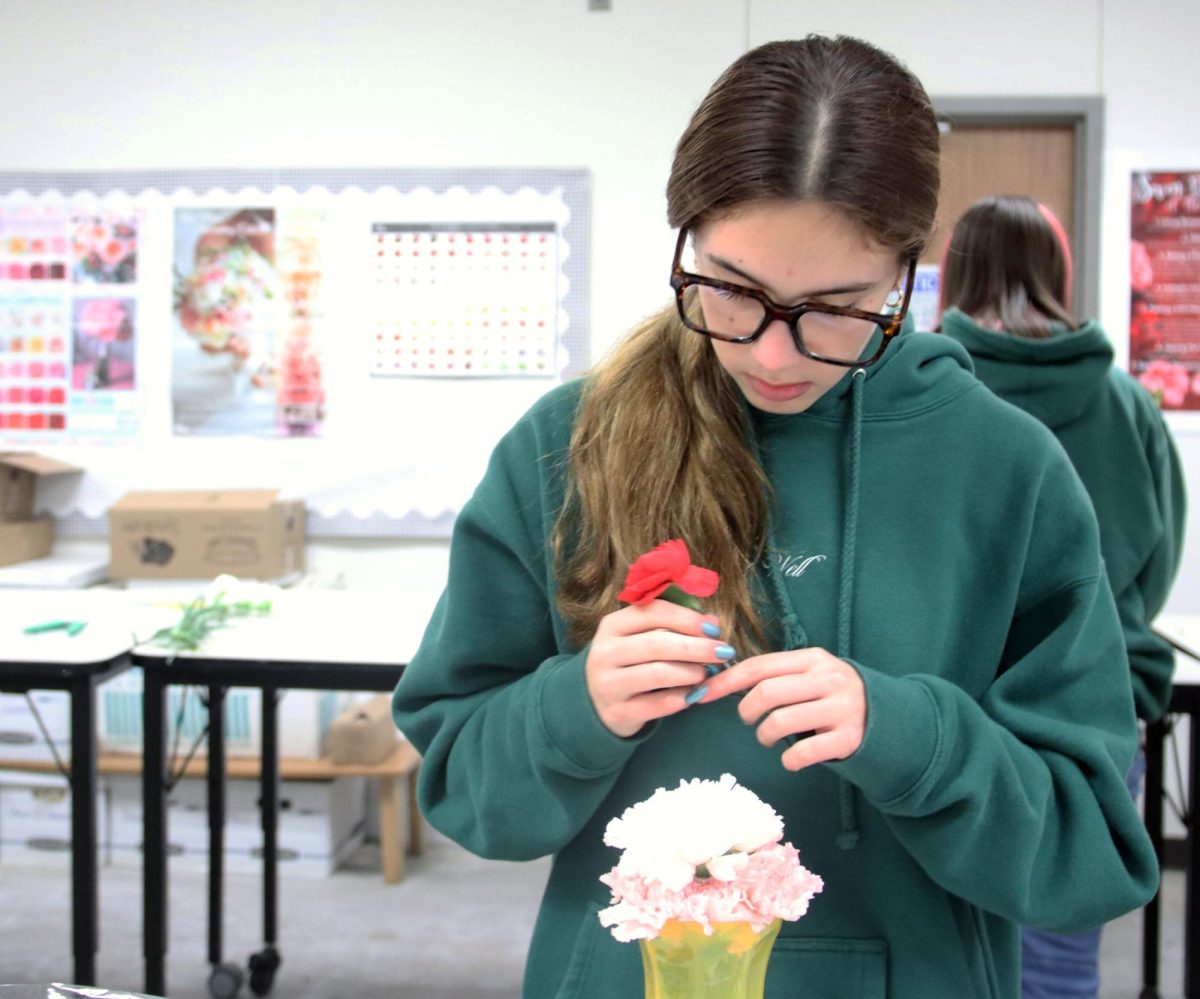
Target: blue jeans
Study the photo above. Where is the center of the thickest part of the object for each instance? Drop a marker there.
(1067, 965)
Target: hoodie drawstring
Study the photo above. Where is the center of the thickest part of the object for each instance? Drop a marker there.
(847, 837)
(793, 633)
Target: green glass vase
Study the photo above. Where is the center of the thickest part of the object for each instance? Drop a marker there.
(683, 962)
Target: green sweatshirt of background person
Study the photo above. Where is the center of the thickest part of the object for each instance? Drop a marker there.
(1119, 443)
(929, 533)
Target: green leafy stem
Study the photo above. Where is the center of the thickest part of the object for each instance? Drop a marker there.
(199, 619)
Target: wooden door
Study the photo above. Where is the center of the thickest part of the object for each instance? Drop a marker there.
(981, 159)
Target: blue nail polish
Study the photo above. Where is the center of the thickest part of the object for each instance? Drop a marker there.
(725, 652)
(712, 669)
(696, 693)
(710, 629)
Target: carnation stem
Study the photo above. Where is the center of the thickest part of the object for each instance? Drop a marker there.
(675, 595)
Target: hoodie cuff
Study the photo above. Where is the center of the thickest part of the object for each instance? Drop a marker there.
(903, 734)
(576, 740)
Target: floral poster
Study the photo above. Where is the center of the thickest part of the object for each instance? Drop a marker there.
(1164, 321)
(227, 307)
(247, 306)
(68, 320)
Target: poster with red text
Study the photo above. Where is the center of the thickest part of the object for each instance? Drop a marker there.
(1164, 272)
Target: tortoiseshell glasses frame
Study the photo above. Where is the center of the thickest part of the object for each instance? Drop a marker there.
(889, 323)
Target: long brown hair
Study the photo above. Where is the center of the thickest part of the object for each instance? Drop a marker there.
(1007, 264)
(659, 448)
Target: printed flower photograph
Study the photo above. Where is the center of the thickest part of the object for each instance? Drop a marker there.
(1167, 381)
(104, 248)
(230, 292)
(103, 344)
(228, 310)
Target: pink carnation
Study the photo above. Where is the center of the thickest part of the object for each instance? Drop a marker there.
(771, 885)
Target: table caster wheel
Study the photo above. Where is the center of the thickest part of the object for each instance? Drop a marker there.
(225, 981)
(263, 966)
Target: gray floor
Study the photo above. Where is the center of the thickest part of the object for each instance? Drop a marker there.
(455, 928)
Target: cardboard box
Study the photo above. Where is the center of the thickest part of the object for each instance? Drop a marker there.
(23, 540)
(179, 534)
(364, 733)
(23, 536)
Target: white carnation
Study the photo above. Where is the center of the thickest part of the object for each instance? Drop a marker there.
(700, 823)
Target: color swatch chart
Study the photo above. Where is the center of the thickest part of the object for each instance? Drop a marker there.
(464, 299)
(35, 372)
(33, 241)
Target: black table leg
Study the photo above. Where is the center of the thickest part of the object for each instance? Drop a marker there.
(1191, 980)
(1152, 808)
(84, 891)
(216, 818)
(154, 830)
(270, 811)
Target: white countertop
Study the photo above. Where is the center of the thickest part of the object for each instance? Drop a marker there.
(1185, 629)
(111, 622)
(315, 625)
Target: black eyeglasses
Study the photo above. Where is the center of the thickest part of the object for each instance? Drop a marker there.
(735, 313)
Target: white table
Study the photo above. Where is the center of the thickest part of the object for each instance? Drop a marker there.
(1183, 632)
(54, 660)
(311, 639)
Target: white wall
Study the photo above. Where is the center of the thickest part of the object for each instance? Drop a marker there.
(546, 83)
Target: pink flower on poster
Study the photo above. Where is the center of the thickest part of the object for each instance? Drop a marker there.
(104, 249)
(104, 319)
(1141, 270)
(1167, 382)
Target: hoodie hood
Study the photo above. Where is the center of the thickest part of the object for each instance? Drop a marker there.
(920, 371)
(1055, 379)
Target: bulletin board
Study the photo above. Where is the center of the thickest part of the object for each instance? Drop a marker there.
(359, 338)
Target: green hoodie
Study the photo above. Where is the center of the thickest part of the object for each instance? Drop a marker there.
(1119, 443)
(945, 536)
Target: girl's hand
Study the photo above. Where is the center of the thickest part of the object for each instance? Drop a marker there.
(645, 659)
(806, 692)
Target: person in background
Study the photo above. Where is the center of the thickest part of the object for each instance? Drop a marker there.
(1006, 286)
(931, 674)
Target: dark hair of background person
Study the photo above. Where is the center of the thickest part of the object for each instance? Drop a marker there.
(659, 448)
(1006, 266)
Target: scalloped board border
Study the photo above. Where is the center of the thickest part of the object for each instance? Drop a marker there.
(573, 185)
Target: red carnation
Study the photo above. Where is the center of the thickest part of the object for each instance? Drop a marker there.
(667, 572)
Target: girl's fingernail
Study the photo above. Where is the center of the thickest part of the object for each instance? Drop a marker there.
(724, 652)
(712, 669)
(710, 629)
(695, 694)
